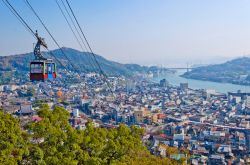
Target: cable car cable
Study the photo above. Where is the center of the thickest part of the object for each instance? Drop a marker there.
(72, 21)
(84, 37)
(17, 15)
(75, 36)
(101, 71)
(27, 27)
(74, 24)
(32, 9)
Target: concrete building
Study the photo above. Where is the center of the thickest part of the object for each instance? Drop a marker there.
(184, 86)
(85, 106)
(139, 116)
(76, 112)
(26, 109)
(248, 101)
(163, 83)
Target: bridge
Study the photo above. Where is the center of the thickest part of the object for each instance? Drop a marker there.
(180, 68)
(183, 67)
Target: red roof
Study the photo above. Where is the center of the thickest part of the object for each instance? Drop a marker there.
(163, 135)
(36, 118)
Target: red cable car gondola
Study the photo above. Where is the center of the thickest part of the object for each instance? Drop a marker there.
(41, 68)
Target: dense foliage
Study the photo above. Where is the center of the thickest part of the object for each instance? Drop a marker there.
(53, 141)
(12, 140)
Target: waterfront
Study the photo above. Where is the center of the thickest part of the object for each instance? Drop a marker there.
(175, 79)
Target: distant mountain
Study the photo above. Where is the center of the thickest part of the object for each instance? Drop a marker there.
(83, 61)
(236, 71)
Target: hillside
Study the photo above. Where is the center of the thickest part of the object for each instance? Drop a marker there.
(236, 71)
(83, 61)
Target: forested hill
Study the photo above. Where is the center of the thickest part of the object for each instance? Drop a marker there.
(83, 61)
(236, 71)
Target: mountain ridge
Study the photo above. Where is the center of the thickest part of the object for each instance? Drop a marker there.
(84, 62)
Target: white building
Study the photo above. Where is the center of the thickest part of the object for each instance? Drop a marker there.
(179, 137)
(248, 101)
(76, 112)
(1, 88)
(26, 109)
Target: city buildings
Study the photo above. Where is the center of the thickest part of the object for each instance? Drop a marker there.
(212, 127)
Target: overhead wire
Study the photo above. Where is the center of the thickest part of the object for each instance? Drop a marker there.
(82, 41)
(72, 12)
(27, 27)
(91, 51)
(24, 23)
(71, 28)
(50, 34)
(17, 15)
(90, 57)
(73, 22)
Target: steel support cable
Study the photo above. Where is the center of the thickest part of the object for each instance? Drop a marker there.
(27, 27)
(40, 20)
(101, 71)
(52, 54)
(73, 22)
(23, 22)
(72, 12)
(71, 28)
(18, 16)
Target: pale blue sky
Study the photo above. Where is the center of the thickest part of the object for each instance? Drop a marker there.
(167, 32)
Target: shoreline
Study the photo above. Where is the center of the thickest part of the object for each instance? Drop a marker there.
(221, 82)
(221, 87)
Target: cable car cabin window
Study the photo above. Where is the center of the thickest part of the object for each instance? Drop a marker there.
(46, 68)
(36, 68)
(50, 68)
(53, 68)
(41, 68)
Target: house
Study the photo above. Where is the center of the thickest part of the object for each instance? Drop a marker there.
(26, 109)
(216, 159)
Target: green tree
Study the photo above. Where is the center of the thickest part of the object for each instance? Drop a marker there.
(53, 141)
(54, 136)
(12, 143)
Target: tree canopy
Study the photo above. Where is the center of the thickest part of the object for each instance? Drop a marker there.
(12, 143)
(53, 141)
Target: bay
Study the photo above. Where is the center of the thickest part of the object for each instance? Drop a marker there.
(175, 79)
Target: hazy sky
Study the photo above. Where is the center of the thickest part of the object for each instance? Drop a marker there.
(167, 32)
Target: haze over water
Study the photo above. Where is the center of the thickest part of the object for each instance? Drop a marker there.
(175, 79)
